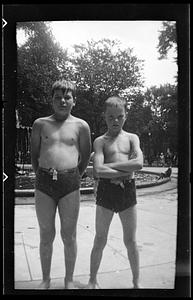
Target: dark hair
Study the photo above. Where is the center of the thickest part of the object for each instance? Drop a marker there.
(65, 86)
(115, 101)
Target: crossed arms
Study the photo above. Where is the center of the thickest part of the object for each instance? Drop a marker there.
(117, 169)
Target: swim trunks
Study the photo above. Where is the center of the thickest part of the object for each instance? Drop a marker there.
(116, 197)
(64, 183)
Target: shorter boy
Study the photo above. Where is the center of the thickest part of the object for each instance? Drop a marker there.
(117, 155)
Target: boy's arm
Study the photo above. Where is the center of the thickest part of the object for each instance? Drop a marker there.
(132, 164)
(35, 144)
(85, 147)
(100, 169)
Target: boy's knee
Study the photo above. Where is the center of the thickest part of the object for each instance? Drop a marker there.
(100, 241)
(68, 239)
(130, 242)
(47, 236)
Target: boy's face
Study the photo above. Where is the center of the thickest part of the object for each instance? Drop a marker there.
(62, 102)
(115, 117)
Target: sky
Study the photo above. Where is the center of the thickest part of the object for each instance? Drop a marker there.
(141, 36)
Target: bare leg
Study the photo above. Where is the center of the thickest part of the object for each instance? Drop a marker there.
(102, 223)
(68, 210)
(129, 220)
(45, 211)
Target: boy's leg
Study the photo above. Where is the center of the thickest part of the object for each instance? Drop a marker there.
(102, 223)
(68, 208)
(128, 219)
(45, 211)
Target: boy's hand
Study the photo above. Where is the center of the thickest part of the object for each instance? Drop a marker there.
(117, 181)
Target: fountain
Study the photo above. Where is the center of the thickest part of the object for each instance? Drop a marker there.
(25, 179)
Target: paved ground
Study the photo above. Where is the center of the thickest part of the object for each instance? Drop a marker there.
(156, 238)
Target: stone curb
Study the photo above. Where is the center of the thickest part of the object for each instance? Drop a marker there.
(89, 190)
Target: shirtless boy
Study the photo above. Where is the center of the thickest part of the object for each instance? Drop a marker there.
(117, 155)
(60, 151)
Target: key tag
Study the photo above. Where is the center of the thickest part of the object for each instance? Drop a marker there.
(54, 175)
(122, 185)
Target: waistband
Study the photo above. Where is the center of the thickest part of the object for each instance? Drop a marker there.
(51, 170)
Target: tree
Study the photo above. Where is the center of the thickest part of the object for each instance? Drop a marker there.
(101, 69)
(167, 39)
(39, 61)
(164, 123)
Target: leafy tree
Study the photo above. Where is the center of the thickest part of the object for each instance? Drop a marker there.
(167, 39)
(101, 69)
(138, 115)
(39, 61)
(163, 126)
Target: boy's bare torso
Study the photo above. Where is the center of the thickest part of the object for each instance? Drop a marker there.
(118, 149)
(59, 145)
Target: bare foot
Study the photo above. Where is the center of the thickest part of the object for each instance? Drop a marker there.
(70, 285)
(80, 285)
(137, 286)
(92, 286)
(44, 285)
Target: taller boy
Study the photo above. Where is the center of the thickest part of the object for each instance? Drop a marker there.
(60, 151)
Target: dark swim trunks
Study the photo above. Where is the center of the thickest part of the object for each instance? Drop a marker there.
(57, 186)
(115, 197)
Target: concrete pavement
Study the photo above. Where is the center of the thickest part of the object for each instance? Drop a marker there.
(156, 239)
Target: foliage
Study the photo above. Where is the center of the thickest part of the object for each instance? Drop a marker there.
(167, 39)
(163, 124)
(138, 115)
(39, 60)
(101, 69)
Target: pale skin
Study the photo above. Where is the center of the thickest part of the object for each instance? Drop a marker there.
(60, 141)
(113, 159)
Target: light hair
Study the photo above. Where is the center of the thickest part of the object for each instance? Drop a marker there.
(65, 86)
(115, 101)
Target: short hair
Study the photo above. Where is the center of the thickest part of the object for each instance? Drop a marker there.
(115, 101)
(65, 86)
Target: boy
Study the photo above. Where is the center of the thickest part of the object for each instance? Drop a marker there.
(114, 167)
(60, 151)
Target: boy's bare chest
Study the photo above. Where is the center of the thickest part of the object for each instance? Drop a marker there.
(119, 145)
(66, 134)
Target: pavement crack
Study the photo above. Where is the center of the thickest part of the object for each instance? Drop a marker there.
(26, 257)
(129, 268)
(161, 264)
(169, 233)
(117, 251)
